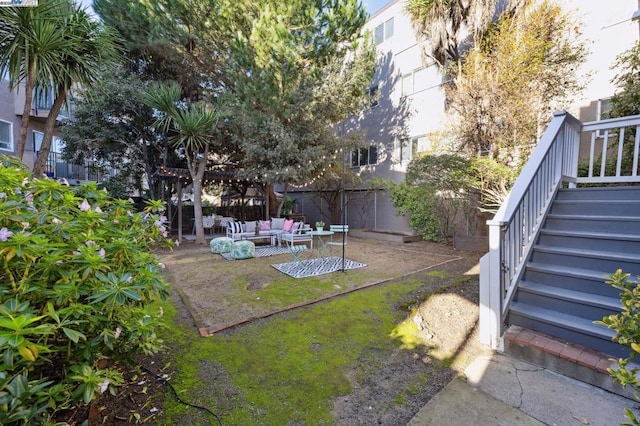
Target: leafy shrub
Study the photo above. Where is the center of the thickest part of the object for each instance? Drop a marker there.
(77, 274)
(434, 194)
(627, 327)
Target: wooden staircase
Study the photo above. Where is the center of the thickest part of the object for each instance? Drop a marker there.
(588, 234)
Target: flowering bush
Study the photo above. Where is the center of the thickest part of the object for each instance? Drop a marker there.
(77, 274)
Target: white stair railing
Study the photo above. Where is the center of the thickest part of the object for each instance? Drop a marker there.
(609, 151)
(515, 226)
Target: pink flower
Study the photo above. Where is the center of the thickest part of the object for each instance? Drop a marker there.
(84, 206)
(102, 252)
(117, 333)
(56, 220)
(5, 234)
(98, 209)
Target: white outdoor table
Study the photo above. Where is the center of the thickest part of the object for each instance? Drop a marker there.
(323, 238)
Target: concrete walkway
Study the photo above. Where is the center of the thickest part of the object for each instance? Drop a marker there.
(500, 390)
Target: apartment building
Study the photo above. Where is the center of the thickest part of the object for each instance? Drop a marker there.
(11, 110)
(408, 103)
(405, 111)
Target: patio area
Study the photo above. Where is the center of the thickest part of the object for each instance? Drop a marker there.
(221, 294)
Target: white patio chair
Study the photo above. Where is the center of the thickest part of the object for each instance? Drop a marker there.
(339, 237)
(208, 222)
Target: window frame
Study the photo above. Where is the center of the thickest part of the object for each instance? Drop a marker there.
(10, 143)
(383, 31)
(407, 148)
(357, 157)
(600, 111)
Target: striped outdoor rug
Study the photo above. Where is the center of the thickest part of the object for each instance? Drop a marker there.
(264, 251)
(314, 267)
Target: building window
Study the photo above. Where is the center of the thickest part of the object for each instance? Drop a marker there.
(408, 149)
(420, 79)
(364, 156)
(403, 151)
(372, 94)
(407, 84)
(603, 109)
(383, 31)
(6, 136)
(603, 112)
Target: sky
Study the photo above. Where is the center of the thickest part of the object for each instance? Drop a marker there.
(373, 6)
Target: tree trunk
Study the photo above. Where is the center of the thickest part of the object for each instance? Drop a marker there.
(197, 168)
(41, 160)
(273, 201)
(26, 112)
(147, 171)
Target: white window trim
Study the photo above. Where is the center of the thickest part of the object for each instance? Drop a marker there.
(11, 144)
(600, 133)
(383, 26)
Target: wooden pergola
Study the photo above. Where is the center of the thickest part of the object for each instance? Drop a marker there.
(182, 177)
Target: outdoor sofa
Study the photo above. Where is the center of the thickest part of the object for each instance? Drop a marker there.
(279, 229)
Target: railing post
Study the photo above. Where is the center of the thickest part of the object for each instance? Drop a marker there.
(490, 320)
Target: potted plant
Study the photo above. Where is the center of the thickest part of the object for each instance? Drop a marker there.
(319, 225)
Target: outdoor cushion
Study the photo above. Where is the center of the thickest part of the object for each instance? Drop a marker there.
(221, 245)
(250, 226)
(287, 225)
(265, 225)
(277, 223)
(235, 226)
(243, 249)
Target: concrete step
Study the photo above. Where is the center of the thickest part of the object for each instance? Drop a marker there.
(563, 357)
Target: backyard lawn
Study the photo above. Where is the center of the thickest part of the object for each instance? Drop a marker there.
(371, 356)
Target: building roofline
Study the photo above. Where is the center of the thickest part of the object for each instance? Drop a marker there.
(383, 8)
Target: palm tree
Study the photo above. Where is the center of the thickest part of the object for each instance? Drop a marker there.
(89, 48)
(192, 128)
(30, 45)
(443, 24)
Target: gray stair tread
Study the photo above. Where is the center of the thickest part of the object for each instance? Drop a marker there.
(596, 201)
(612, 255)
(590, 299)
(590, 234)
(593, 217)
(562, 320)
(587, 274)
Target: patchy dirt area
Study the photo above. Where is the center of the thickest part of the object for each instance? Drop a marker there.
(444, 312)
(221, 293)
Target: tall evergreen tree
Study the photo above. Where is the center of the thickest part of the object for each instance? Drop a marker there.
(112, 127)
(295, 69)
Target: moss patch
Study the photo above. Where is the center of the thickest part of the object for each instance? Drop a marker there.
(288, 369)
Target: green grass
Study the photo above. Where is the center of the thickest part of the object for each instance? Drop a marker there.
(291, 368)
